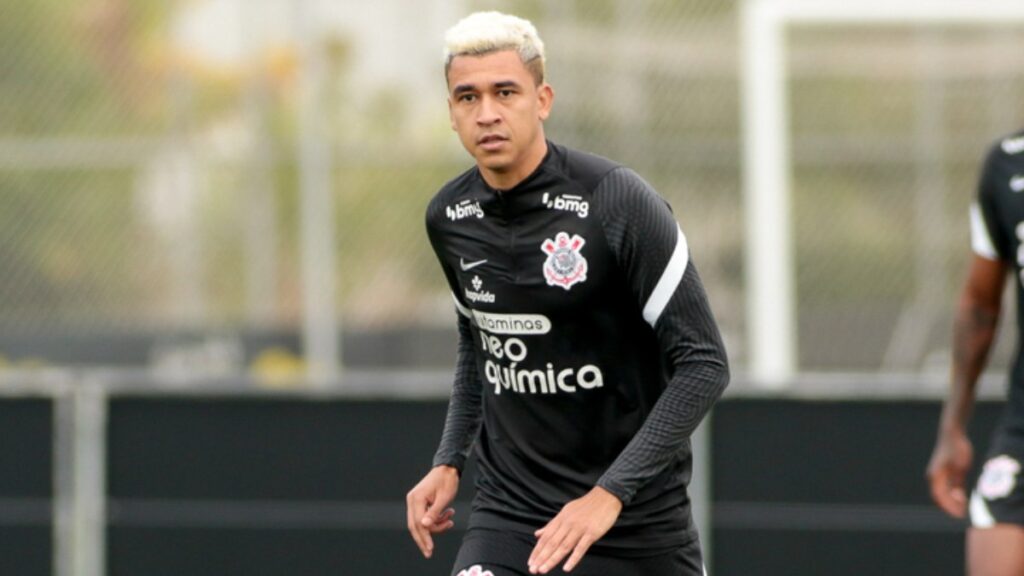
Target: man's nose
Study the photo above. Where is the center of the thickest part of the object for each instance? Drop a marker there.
(488, 114)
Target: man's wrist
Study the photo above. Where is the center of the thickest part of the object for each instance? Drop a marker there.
(449, 459)
(605, 493)
(952, 429)
(613, 489)
(449, 469)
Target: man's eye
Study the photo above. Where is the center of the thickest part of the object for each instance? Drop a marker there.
(504, 93)
(467, 98)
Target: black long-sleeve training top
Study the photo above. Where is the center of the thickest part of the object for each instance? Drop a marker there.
(997, 233)
(587, 350)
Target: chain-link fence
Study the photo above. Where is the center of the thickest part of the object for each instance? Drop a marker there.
(157, 160)
(889, 128)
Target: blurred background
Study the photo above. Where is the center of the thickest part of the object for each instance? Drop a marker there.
(225, 344)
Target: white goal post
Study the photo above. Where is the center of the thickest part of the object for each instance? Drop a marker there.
(769, 254)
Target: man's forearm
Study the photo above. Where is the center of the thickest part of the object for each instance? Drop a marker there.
(463, 420)
(673, 419)
(973, 333)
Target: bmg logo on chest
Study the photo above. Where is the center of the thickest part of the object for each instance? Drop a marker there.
(464, 209)
(567, 203)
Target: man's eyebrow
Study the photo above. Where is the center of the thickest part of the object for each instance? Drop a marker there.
(499, 85)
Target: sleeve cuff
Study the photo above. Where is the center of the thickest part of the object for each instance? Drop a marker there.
(456, 461)
(618, 490)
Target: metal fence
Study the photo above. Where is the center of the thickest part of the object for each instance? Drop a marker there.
(213, 187)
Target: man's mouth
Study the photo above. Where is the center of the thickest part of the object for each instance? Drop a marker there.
(491, 141)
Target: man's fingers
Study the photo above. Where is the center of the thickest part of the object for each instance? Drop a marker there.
(443, 523)
(560, 552)
(420, 533)
(428, 542)
(577, 554)
(948, 492)
(412, 506)
(955, 502)
(410, 521)
(439, 528)
(427, 504)
(959, 496)
(543, 536)
(547, 549)
(436, 510)
(432, 517)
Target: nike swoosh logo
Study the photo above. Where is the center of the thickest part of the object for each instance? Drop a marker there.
(1017, 183)
(469, 266)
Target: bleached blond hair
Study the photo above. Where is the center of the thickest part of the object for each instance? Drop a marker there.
(482, 33)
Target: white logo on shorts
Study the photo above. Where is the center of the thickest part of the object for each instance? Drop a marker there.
(998, 477)
(475, 571)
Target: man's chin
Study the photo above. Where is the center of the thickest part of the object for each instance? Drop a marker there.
(493, 162)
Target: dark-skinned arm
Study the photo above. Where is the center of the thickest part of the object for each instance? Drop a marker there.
(974, 332)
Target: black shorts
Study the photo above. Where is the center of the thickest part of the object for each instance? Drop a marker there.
(998, 496)
(487, 552)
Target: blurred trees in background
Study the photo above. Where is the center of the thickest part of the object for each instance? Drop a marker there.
(149, 160)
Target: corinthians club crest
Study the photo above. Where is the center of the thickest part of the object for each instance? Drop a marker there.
(998, 477)
(565, 265)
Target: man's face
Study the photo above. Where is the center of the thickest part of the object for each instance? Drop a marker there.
(498, 111)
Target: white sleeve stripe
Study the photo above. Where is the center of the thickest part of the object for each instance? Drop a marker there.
(669, 281)
(981, 240)
(462, 309)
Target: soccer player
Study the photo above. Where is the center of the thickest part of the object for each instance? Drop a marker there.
(995, 539)
(587, 351)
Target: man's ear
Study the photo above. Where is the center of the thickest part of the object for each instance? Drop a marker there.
(546, 97)
(451, 114)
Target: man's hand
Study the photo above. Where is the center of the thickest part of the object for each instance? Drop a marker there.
(426, 506)
(580, 523)
(947, 469)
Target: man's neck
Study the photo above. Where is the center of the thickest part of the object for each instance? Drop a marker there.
(506, 180)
